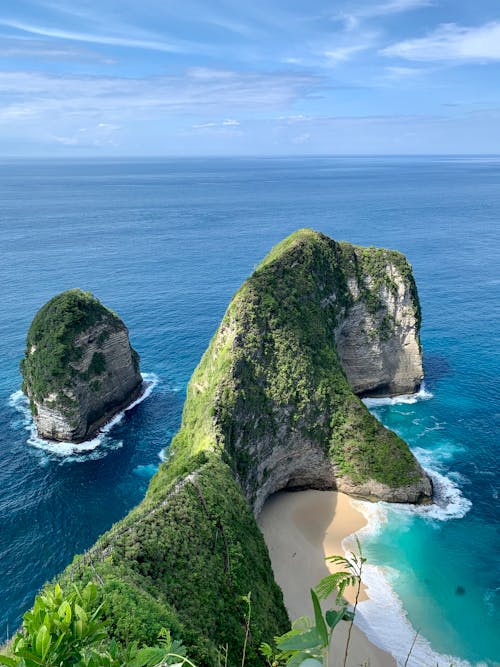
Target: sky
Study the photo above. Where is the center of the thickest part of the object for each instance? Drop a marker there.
(262, 77)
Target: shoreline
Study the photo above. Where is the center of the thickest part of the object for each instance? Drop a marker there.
(301, 528)
(61, 449)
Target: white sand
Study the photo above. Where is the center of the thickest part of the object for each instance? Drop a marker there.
(300, 529)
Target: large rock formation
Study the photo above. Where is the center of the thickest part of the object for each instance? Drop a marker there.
(272, 391)
(79, 369)
(269, 407)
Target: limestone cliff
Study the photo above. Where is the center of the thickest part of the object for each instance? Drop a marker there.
(273, 390)
(377, 337)
(79, 368)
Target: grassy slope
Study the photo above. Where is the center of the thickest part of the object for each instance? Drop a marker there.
(182, 559)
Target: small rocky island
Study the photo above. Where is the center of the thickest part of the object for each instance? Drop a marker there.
(79, 368)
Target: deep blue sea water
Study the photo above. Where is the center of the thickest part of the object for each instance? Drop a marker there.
(166, 244)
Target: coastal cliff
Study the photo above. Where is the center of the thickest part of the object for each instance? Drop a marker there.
(377, 338)
(79, 369)
(273, 393)
(268, 407)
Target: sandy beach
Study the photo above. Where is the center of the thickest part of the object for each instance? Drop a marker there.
(300, 529)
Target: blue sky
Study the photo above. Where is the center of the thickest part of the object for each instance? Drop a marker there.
(226, 77)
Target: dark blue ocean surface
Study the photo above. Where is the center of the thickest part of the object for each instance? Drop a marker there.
(166, 244)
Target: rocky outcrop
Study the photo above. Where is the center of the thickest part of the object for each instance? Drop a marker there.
(79, 369)
(379, 348)
(317, 323)
(269, 407)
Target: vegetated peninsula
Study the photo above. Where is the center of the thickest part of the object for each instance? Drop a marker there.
(269, 407)
(79, 369)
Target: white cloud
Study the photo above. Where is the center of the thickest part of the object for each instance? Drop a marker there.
(40, 48)
(202, 126)
(352, 18)
(297, 118)
(343, 53)
(189, 93)
(150, 44)
(228, 125)
(451, 42)
(98, 111)
(102, 134)
(393, 7)
(302, 138)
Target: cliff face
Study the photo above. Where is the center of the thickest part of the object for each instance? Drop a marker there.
(79, 368)
(378, 345)
(272, 392)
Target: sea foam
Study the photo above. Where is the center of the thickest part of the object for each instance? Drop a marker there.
(382, 616)
(422, 395)
(94, 448)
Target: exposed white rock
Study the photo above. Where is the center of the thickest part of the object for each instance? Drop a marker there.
(380, 352)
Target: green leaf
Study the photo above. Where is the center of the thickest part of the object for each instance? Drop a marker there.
(299, 658)
(300, 642)
(147, 657)
(24, 653)
(333, 617)
(318, 617)
(10, 662)
(64, 612)
(80, 612)
(78, 628)
(264, 649)
(42, 641)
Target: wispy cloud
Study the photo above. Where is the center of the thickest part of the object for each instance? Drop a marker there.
(102, 134)
(95, 38)
(393, 7)
(353, 17)
(226, 123)
(451, 42)
(42, 49)
(343, 53)
(31, 95)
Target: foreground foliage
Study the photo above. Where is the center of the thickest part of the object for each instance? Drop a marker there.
(68, 630)
(308, 643)
(184, 559)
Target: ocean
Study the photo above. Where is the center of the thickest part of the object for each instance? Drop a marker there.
(166, 243)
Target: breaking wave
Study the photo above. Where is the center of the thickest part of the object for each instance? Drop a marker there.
(421, 395)
(92, 449)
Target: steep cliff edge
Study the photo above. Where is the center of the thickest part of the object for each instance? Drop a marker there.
(268, 407)
(377, 337)
(79, 368)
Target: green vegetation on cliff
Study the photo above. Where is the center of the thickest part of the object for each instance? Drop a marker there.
(272, 371)
(186, 556)
(182, 560)
(50, 344)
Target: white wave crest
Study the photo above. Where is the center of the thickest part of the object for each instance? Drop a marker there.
(71, 451)
(383, 619)
(421, 395)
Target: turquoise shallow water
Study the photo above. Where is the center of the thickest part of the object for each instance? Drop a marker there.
(166, 244)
